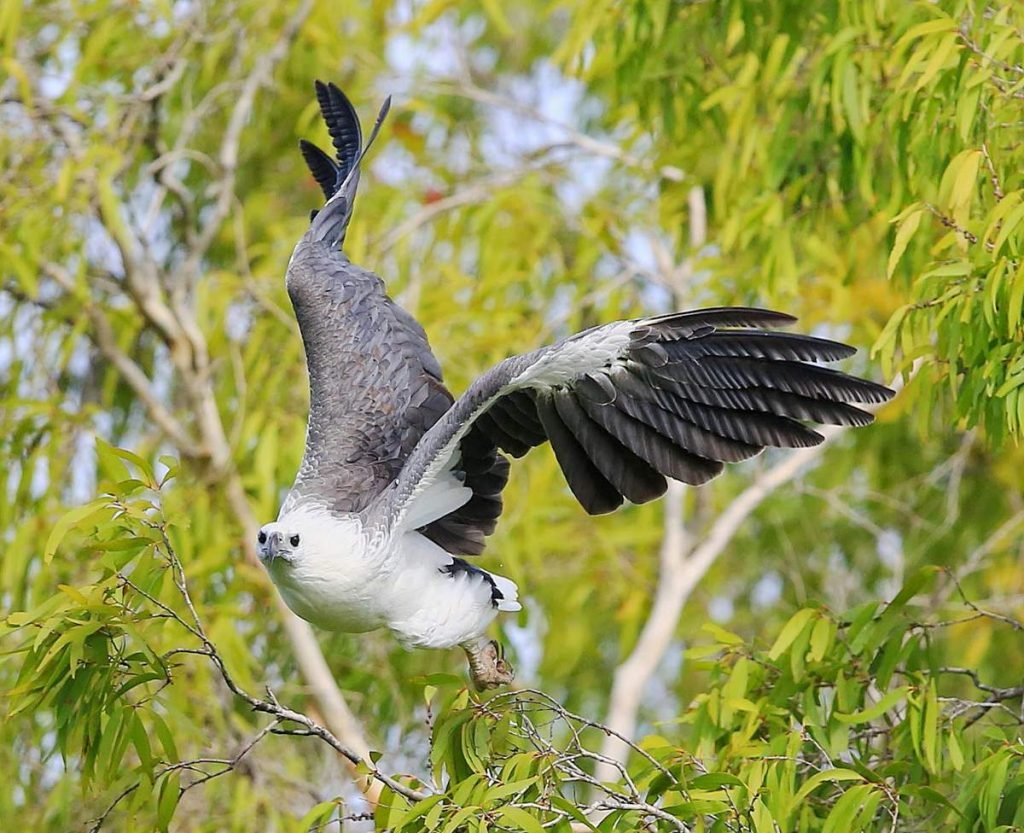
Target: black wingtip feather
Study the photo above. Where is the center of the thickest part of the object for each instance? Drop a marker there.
(675, 325)
(633, 477)
(780, 402)
(761, 345)
(342, 125)
(591, 488)
(685, 433)
(650, 445)
(746, 426)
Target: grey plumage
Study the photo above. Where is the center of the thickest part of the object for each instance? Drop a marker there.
(375, 385)
(676, 395)
(683, 398)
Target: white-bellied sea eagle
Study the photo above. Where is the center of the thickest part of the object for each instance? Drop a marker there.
(401, 481)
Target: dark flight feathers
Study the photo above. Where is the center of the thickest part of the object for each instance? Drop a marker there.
(339, 180)
(690, 392)
(346, 135)
(684, 394)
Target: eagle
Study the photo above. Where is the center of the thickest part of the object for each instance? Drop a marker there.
(401, 482)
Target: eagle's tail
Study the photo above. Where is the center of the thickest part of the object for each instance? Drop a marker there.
(507, 597)
(338, 180)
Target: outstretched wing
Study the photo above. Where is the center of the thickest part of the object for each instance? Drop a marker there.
(628, 404)
(375, 389)
(375, 386)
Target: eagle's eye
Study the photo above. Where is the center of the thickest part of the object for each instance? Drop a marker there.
(294, 540)
(262, 537)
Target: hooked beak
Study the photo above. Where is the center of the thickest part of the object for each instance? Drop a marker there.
(274, 541)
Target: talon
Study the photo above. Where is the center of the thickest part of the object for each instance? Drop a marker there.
(488, 667)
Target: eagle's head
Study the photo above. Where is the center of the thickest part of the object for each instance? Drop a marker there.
(279, 540)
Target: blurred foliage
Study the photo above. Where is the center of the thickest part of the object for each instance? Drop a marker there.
(861, 163)
(845, 723)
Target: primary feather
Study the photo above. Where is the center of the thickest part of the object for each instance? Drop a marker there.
(400, 480)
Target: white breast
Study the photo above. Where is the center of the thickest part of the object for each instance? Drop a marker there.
(339, 575)
(345, 578)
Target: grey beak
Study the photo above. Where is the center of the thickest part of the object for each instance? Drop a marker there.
(274, 544)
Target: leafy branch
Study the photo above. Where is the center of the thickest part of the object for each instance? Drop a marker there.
(269, 705)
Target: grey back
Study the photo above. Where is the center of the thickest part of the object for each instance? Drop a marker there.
(375, 386)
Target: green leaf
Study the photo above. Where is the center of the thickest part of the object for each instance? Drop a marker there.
(966, 180)
(140, 740)
(966, 109)
(943, 52)
(904, 233)
(821, 638)
(835, 775)
(851, 102)
(930, 727)
(721, 635)
(457, 821)
(104, 448)
(956, 755)
(418, 810)
(1008, 226)
(519, 819)
(1015, 306)
(163, 731)
(566, 806)
(873, 712)
(848, 809)
(169, 796)
(990, 797)
(79, 516)
(500, 791)
(317, 815)
(714, 781)
(790, 631)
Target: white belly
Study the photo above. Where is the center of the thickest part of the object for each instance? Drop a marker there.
(344, 579)
(432, 608)
(328, 606)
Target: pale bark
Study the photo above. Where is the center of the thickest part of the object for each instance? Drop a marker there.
(683, 560)
(683, 565)
(164, 298)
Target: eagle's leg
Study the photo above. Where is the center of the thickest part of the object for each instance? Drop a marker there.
(487, 664)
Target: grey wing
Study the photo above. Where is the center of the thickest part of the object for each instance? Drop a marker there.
(375, 386)
(375, 389)
(628, 404)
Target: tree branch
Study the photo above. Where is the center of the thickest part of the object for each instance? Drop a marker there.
(176, 323)
(270, 705)
(683, 562)
(466, 88)
(476, 192)
(686, 569)
(228, 158)
(103, 337)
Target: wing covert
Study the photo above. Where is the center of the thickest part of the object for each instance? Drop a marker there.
(629, 404)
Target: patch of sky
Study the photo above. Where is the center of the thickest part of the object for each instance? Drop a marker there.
(767, 591)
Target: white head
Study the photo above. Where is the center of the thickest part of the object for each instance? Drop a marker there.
(301, 536)
(280, 539)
